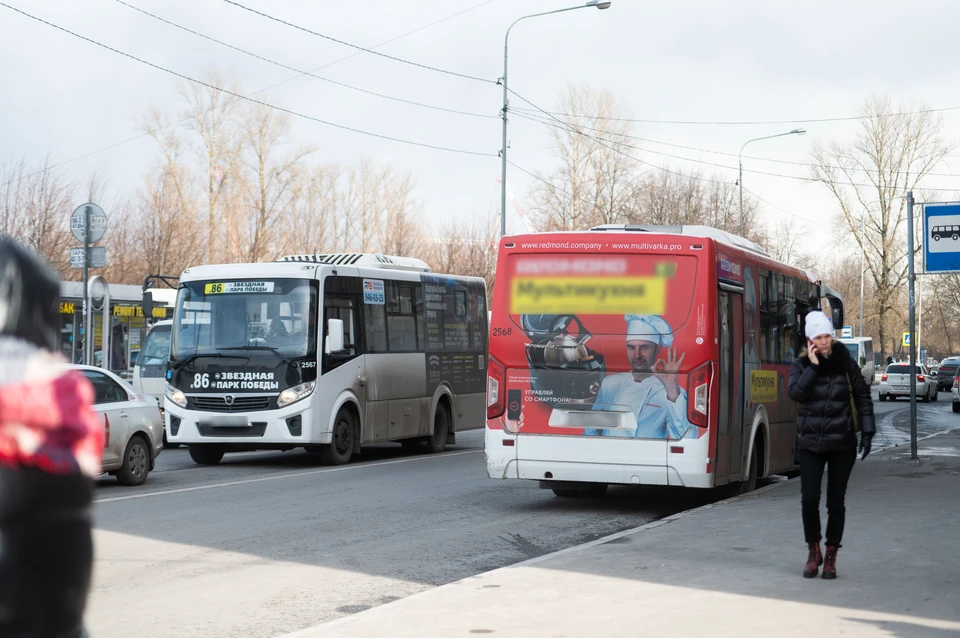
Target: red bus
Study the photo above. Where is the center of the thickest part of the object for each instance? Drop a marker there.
(653, 355)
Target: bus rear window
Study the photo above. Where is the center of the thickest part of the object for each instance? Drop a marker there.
(542, 288)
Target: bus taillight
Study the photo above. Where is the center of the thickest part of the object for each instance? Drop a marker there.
(496, 394)
(698, 392)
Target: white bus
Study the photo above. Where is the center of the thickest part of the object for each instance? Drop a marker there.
(327, 353)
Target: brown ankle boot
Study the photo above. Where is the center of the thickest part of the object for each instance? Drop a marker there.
(814, 560)
(830, 563)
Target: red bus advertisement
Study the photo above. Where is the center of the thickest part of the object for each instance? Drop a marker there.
(644, 355)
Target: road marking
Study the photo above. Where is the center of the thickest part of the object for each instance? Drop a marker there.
(276, 477)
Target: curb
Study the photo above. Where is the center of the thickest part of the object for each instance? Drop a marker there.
(302, 633)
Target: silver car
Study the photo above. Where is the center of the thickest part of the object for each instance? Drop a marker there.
(895, 382)
(132, 426)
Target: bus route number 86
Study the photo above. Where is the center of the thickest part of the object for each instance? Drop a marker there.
(201, 381)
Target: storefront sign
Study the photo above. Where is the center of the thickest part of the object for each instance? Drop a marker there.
(66, 308)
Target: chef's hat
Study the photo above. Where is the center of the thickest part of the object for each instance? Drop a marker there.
(649, 328)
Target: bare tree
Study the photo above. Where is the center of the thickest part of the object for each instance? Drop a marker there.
(35, 206)
(399, 231)
(896, 147)
(784, 244)
(594, 176)
(466, 249)
(270, 184)
(215, 118)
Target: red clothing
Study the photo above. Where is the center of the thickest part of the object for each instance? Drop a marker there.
(49, 424)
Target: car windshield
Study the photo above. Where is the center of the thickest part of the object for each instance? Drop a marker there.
(156, 347)
(275, 314)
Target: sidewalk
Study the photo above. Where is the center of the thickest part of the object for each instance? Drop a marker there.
(728, 569)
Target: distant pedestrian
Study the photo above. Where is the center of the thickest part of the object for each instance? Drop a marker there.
(50, 447)
(827, 384)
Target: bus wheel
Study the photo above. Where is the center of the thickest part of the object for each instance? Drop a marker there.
(751, 483)
(437, 442)
(205, 454)
(340, 449)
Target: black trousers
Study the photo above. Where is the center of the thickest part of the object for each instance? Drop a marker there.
(46, 553)
(839, 465)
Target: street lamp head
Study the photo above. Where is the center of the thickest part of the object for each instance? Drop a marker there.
(598, 4)
(798, 131)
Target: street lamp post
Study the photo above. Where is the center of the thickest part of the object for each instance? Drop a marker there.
(796, 131)
(503, 152)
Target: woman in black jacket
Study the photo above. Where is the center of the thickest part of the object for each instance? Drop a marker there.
(825, 381)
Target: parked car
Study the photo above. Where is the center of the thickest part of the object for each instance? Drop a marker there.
(132, 426)
(946, 372)
(895, 382)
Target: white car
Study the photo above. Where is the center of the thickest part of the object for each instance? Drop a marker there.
(132, 426)
(895, 382)
(955, 391)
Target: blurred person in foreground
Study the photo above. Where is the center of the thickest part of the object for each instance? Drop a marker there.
(50, 448)
(832, 398)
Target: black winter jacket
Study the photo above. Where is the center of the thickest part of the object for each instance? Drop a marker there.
(824, 420)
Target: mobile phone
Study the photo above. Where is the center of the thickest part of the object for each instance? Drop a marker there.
(514, 398)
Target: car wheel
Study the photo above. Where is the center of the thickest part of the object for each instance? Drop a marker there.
(955, 237)
(340, 450)
(136, 462)
(205, 454)
(166, 444)
(956, 406)
(883, 397)
(437, 443)
(935, 396)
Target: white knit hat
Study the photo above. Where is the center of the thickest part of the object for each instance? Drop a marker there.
(818, 324)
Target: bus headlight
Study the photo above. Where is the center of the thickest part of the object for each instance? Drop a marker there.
(296, 393)
(176, 396)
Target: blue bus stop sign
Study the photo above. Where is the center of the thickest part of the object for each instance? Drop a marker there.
(941, 242)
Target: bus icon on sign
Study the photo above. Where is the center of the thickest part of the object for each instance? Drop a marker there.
(939, 232)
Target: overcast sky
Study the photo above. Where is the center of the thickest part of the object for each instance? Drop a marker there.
(690, 61)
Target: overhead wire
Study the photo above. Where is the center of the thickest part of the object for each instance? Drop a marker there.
(274, 85)
(575, 129)
(358, 47)
(302, 72)
(530, 115)
(249, 99)
(756, 122)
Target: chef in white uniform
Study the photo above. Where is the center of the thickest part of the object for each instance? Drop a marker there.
(651, 388)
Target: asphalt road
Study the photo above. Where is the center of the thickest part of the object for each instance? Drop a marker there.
(269, 543)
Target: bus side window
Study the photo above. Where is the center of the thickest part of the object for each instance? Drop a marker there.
(402, 333)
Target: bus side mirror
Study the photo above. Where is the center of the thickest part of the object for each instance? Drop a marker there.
(148, 305)
(863, 361)
(334, 341)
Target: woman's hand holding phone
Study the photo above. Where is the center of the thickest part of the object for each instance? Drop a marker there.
(812, 350)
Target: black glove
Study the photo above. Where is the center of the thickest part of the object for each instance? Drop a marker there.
(866, 443)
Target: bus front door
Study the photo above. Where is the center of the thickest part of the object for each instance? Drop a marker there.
(729, 414)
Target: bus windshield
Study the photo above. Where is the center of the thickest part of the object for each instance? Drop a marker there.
(854, 349)
(156, 347)
(277, 315)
